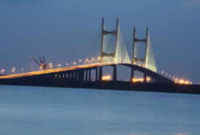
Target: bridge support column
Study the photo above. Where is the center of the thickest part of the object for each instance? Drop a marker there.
(96, 75)
(70, 75)
(67, 75)
(100, 73)
(114, 73)
(89, 74)
(132, 74)
(73, 75)
(145, 77)
(77, 75)
(86, 74)
(81, 75)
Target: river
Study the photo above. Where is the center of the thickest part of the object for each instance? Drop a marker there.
(67, 111)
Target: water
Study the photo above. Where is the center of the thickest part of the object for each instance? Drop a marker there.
(65, 111)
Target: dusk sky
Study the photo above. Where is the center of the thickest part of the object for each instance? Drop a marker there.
(66, 30)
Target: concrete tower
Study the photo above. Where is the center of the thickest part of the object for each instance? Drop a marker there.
(114, 33)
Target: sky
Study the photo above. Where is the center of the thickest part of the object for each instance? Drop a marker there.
(66, 30)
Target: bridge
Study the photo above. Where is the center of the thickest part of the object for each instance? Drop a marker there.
(142, 70)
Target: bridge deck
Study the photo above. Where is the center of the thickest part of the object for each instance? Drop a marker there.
(146, 71)
(48, 78)
(47, 71)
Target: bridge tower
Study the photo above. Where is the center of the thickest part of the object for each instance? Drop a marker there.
(136, 40)
(104, 33)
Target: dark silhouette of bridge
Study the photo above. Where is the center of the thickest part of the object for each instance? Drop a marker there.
(92, 75)
(85, 74)
(112, 59)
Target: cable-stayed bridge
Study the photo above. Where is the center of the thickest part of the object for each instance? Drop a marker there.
(111, 54)
(114, 54)
(120, 53)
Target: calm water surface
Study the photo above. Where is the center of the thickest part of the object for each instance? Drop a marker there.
(65, 111)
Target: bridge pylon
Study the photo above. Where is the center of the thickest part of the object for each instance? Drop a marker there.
(135, 59)
(104, 33)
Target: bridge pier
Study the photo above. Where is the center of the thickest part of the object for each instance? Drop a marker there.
(81, 75)
(85, 75)
(89, 74)
(145, 77)
(71, 78)
(72, 75)
(132, 74)
(69, 75)
(77, 75)
(114, 73)
(99, 72)
(96, 75)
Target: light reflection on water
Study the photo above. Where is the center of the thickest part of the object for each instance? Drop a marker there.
(65, 111)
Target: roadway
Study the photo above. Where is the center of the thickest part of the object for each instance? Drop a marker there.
(53, 70)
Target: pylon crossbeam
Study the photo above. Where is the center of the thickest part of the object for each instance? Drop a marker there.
(140, 40)
(139, 59)
(104, 32)
(108, 54)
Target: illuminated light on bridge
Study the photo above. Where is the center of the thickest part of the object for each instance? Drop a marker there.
(3, 71)
(13, 69)
(136, 80)
(92, 60)
(74, 63)
(106, 78)
(89, 61)
(182, 81)
(148, 79)
(50, 65)
(40, 67)
(59, 65)
(86, 61)
(66, 64)
(141, 80)
(98, 58)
